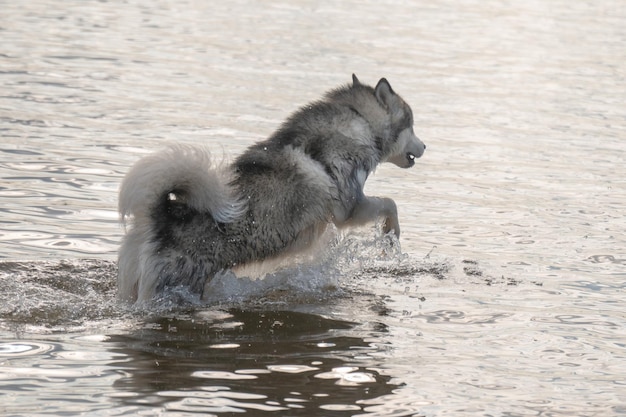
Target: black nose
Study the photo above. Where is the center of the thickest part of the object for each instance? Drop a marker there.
(424, 146)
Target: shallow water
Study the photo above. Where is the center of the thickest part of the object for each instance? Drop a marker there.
(506, 298)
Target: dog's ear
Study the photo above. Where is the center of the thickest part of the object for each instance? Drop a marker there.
(355, 81)
(384, 92)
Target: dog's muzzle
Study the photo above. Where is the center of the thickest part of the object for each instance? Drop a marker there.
(412, 156)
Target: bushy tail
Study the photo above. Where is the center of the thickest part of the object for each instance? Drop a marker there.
(180, 171)
(183, 173)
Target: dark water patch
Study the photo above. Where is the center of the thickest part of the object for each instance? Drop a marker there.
(79, 57)
(250, 360)
(21, 152)
(39, 123)
(460, 317)
(606, 259)
(472, 269)
(435, 269)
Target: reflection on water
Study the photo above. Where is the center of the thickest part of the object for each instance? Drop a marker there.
(231, 362)
(269, 361)
(505, 298)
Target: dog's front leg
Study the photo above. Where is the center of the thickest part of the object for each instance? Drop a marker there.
(369, 209)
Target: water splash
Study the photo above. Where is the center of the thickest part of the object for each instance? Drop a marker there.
(74, 295)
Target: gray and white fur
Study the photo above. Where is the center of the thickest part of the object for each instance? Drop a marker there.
(188, 218)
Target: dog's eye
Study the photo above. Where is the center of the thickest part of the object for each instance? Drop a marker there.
(172, 197)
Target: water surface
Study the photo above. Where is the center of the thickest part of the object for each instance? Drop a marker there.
(506, 295)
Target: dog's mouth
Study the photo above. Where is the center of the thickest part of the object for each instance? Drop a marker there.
(406, 159)
(410, 157)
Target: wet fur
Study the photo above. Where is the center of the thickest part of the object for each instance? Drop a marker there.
(188, 219)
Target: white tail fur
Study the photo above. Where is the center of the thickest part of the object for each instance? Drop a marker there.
(182, 167)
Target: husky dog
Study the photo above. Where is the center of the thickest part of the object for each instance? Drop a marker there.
(190, 219)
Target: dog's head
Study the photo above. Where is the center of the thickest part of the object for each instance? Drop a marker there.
(401, 146)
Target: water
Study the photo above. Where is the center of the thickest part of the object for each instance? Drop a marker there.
(505, 299)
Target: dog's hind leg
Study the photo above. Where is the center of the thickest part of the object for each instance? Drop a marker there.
(369, 209)
(182, 271)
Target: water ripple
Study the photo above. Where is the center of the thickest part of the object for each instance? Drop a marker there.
(18, 349)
